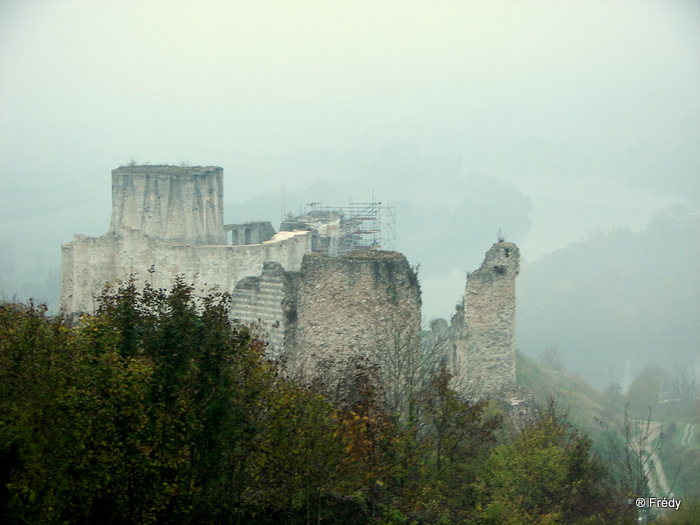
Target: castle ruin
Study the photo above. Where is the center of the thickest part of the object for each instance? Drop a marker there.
(485, 351)
(320, 313)
(169, 219)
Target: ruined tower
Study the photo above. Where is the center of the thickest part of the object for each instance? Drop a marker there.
(167, 221)
(326, 317)
(169, 203)
(334, 314)
(486, 352)
(351, 307)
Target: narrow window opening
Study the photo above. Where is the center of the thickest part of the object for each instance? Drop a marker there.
(507, 252)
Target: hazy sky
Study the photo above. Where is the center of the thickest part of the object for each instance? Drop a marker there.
(589, 111)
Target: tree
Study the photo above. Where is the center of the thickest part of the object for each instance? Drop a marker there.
(460, 434)
(646, 390)
(631, 451)
(149, 411)
(74, 419)
(157, 409)
(683, 392)
(368, 433)
(551, 358)
(547, 475)
(404, 363)
(298, 455)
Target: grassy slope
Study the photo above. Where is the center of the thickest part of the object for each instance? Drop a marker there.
(586, 406)
(584, 403)
(681, 463)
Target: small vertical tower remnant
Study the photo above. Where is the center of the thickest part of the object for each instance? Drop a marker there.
(170, 203)
(489, 321)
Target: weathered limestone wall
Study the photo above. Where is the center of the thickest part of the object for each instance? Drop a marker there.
(347, 307)
(90, 262)
(249, 232)
(169, 219)
(486, 353)
(323, 315)
(181, 204)
(259, 302)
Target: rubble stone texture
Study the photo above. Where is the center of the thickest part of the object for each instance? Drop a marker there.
(324, 316)
(347, 309)
(486, 350)
(335, 314)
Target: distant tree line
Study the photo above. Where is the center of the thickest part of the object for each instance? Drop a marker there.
(158, 410)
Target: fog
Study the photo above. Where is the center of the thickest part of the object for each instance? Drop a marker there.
(562, 124)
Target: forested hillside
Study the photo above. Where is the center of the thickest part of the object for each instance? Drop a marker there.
(618, 301)
(659, 411)
(158, 410)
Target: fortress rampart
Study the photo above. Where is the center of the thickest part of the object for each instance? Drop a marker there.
(166, 218)
(347, 306)
(323, 315)
(334, 313)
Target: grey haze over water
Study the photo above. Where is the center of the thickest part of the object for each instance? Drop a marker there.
(559, 123)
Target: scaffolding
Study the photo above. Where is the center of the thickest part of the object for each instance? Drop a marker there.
(367, 226)
(361, 225)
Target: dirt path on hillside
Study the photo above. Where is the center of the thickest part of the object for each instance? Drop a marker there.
(661, 481)
(688, 434)
(658, 484)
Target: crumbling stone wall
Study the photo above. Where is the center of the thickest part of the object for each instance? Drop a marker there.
(259, 303)
(254, 232)
(479, 343)
(347, 309)
(90, 262)
(327, 234)
(323, 315)
(485, 353)
(334, 314)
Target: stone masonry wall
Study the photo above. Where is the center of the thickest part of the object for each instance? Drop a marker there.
(181, 204)
(323, 315)
(486, 352)
(167, 221)
(259, 302)
(249, 232)
(345, 308)
(90, 262)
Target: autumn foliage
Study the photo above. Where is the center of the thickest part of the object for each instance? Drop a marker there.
(156, 409)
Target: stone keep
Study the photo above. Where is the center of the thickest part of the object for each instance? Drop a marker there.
(321, 314)
(486, 350)
(168, 219)
(169, 203)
